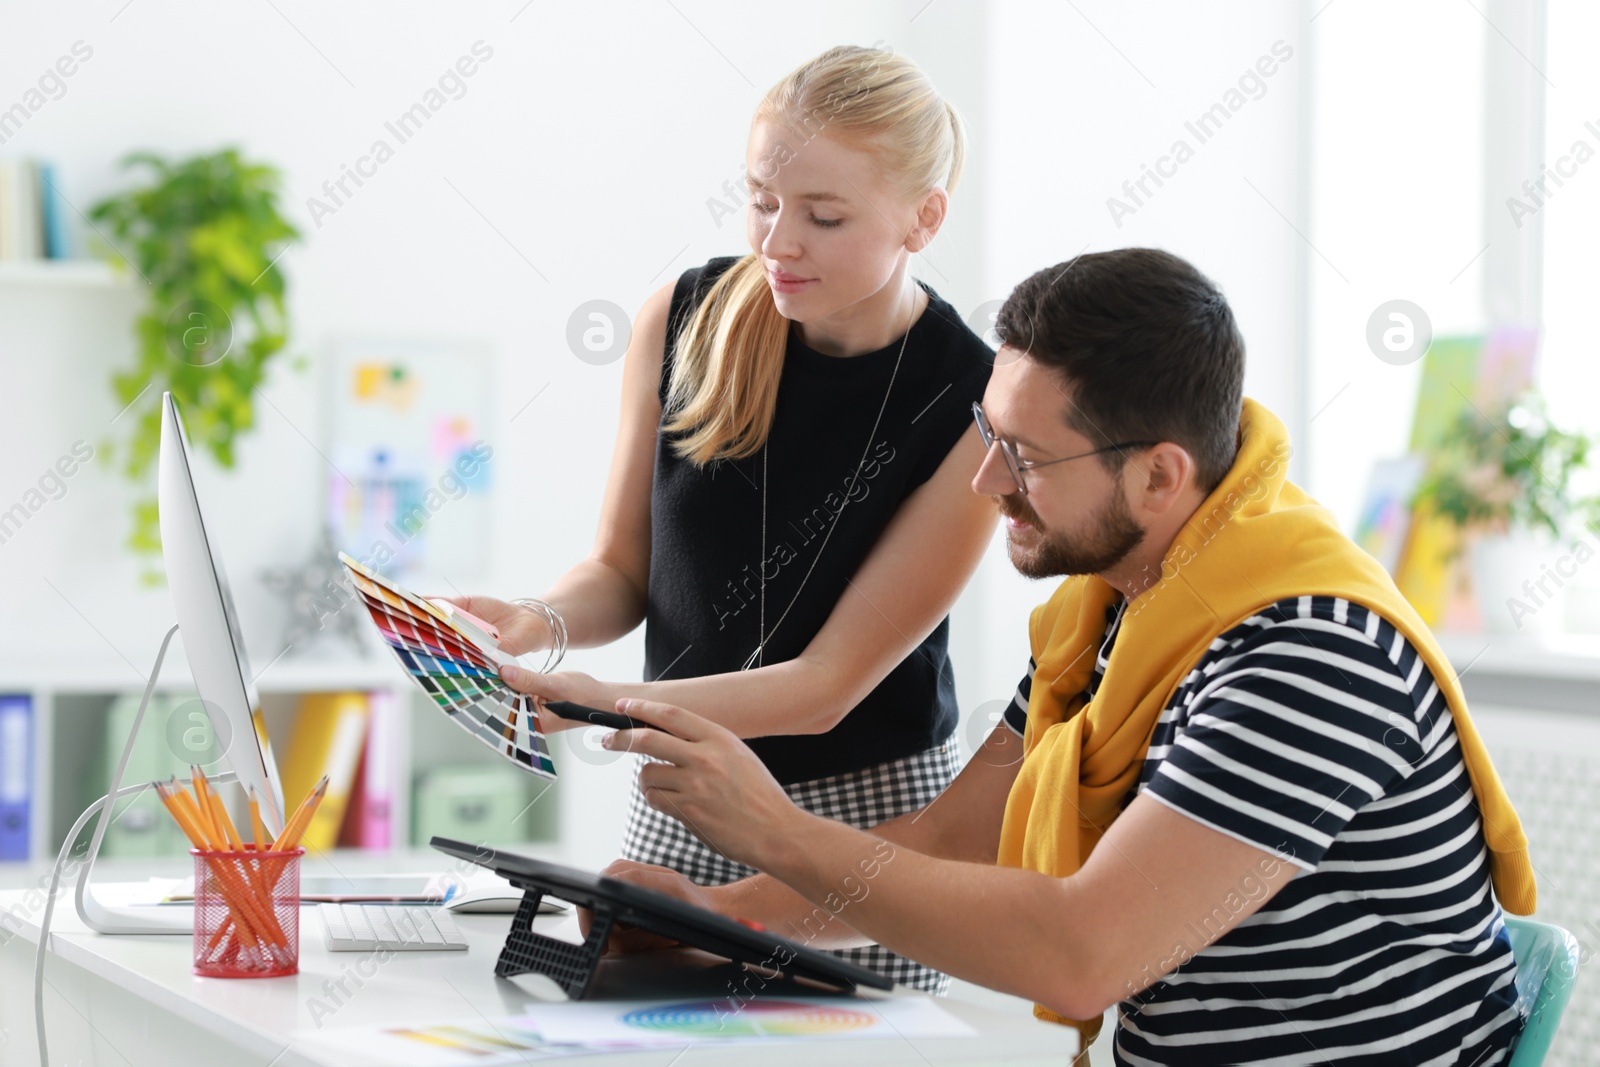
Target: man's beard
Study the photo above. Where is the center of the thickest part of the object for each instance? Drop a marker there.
(1111, 537)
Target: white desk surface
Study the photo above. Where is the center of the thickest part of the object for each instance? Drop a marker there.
(133, 999)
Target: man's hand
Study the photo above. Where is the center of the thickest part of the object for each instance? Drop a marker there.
(709, 780)
(663, 880)
(575, 686)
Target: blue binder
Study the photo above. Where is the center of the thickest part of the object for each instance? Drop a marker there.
(16, 774)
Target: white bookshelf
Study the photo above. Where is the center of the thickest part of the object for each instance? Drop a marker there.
(69, 272)
(72, 702)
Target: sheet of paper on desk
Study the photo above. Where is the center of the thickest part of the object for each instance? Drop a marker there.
(644, 1023)
(554, 1031)
(486, 1043)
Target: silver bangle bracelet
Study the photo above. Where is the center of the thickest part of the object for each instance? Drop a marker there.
(558, 631)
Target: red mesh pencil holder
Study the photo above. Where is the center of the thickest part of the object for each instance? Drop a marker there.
(246, 913)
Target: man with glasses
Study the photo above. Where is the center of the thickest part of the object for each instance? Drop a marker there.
(1238, 794)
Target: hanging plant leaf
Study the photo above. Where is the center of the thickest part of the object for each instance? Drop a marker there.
(206, 233)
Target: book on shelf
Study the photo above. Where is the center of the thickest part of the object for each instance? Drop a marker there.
(328, 737)
(33, 215)
(370, 821)
(16, 774)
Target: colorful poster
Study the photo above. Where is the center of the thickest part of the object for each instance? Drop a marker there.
(1449, 386)
(1385, 518)
(412, 467)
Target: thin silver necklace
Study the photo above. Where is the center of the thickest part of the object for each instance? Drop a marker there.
(762, 636)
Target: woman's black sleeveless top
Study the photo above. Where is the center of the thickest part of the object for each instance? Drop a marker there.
(703, 609)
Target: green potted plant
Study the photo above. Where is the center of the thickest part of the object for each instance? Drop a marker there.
(1506, 481)
(204, 234)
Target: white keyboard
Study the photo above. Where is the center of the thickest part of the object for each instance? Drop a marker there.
(396, 927)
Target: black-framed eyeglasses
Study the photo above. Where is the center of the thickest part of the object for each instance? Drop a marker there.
(1016, 464)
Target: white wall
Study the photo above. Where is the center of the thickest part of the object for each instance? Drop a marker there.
(1570, 374)
(1397, 125)
(1082, 97)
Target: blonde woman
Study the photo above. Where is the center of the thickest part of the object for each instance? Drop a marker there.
(789, 508)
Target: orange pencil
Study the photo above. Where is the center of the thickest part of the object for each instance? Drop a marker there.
(290, 838)
(202, 790)
(258, 843)
(179, 815)
(202, 825)
(169, 793)
(223, 822)
(254, 877)
(246, 894)
(248, 899)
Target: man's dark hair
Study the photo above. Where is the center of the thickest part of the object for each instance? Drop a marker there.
(1147, 345)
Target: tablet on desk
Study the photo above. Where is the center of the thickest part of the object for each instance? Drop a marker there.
(613, 901)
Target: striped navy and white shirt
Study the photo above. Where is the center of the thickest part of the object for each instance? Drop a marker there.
(1314, 730)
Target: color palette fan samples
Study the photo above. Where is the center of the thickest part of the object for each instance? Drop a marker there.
(453, 657)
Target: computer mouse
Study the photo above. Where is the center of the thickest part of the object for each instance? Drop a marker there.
(495, 899)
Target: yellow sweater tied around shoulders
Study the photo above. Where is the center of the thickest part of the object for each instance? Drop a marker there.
(1257, 539)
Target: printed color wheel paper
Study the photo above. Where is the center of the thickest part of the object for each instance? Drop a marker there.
(456, 663)
(645, 1023)
(558, 1030)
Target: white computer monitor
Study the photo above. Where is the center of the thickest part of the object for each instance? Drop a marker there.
(208, 624)
(215, 649)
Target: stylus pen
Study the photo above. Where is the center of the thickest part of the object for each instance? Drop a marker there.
(566, 709)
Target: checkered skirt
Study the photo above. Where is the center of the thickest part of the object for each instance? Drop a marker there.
(861, 799)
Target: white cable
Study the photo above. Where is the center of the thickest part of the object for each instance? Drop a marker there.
(104, 804)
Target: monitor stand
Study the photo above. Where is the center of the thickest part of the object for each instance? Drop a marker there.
(107, 918)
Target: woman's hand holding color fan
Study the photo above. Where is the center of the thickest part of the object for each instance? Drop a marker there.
(454, 656)
(521, 631)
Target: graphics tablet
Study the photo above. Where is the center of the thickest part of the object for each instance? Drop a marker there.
(611, 901)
